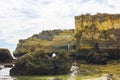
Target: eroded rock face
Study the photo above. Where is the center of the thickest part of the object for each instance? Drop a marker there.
(100, 21)
(97, 29)
(46, 40)
(5, 55)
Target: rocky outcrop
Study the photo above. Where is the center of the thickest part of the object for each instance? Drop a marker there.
(35, 54)
(40, 63)
(97, 29)
(5, 55)
(96, 36)
(46, 40)
(90, 30)
(100, 21)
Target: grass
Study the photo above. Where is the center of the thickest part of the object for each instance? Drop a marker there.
(63, 77)
(86, 72)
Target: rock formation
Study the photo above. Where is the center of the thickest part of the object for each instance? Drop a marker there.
(90, 30)
(5, 55)
(96, 39)
(97, 29)
(40, 63)
(100, 21)
(46, 40)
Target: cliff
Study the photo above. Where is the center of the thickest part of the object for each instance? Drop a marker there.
(95, 40)
(100, 21)
(89, 30)
(46, 40)
(97, 29)
(35, 54)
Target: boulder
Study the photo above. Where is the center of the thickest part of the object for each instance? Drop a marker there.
(5, 55)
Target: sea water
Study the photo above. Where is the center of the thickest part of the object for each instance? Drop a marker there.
(5, 73)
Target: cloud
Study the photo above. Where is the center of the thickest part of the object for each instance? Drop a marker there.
(29, 13)
(20, 19)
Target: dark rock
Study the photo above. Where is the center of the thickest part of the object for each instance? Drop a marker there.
(5, 55)
(39, 63)
(8, 65)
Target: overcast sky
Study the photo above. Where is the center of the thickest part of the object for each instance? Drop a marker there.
(20, 19)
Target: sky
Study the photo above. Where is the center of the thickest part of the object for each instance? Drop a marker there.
(20, 19)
